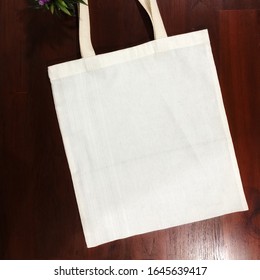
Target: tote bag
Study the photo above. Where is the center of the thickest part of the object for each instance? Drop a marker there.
(146, 134)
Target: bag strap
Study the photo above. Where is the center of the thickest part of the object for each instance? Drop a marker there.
(153, 11)
(86, 47)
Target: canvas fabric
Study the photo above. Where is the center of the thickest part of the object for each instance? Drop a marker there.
(146, 134)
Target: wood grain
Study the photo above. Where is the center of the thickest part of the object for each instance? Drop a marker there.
(38, 211)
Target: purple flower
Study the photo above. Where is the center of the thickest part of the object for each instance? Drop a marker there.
(43, 2)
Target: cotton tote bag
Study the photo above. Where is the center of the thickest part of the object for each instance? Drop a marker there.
(146, 134)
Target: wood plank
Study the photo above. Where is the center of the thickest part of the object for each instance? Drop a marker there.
(239, 69)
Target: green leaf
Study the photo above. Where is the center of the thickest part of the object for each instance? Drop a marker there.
(61, 3)
(65, 10)
(52, 8)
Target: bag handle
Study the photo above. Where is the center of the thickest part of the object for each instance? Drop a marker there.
(153, 11)
(86, 47)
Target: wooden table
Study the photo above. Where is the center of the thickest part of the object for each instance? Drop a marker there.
(38, 212)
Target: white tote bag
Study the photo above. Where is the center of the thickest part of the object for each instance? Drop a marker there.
(146, 134)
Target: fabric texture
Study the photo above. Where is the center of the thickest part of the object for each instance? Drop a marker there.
(147, 138)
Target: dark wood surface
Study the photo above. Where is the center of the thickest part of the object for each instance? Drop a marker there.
(38, 212)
